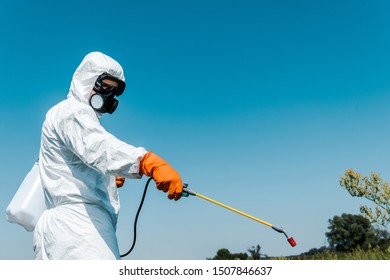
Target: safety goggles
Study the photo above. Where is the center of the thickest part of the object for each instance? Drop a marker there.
(107, 89)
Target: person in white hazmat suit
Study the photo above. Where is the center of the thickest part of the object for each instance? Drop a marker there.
(79, 163)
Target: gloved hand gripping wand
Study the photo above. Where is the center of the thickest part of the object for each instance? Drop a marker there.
(187, 192)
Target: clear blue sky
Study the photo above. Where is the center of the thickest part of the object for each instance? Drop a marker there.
(261, 105)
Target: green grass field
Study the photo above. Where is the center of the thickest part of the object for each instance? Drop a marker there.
(358, 254)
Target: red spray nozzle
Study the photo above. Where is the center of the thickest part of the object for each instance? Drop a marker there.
(289, 239)
(292, 241)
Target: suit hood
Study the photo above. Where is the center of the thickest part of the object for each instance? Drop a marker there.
(93, 65)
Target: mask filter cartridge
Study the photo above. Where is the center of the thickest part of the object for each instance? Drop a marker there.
(102, 103)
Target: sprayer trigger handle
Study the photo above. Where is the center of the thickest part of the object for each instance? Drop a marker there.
(185, 190)
(184, 193)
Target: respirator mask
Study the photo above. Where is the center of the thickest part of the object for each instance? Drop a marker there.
(103, 99)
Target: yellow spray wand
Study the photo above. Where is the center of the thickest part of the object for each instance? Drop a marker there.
(187, 192)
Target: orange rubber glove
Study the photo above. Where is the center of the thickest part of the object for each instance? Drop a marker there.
(167, 179)
(120, 181)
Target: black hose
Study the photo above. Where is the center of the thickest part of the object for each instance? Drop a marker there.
(136, 218)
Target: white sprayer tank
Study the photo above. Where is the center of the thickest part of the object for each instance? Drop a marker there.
(28, 203)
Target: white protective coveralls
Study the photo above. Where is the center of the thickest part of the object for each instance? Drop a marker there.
(78, 162)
